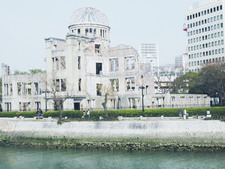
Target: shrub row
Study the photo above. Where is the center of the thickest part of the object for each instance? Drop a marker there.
(17, 114)
(167, 112)
(70, 114)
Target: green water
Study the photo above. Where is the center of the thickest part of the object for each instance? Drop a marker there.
(24, 158)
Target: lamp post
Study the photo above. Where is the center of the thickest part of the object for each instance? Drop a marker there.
(142, 94)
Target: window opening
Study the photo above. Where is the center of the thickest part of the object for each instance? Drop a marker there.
(19, 88)
(97, 48)
(63, 85)
(62, 62)
(130, 83)
(35, 88)
(115, 84)
(114, 64)
(79, 85)
(79, 62)
(99, 89)
(57, 86)
(130, 62)
(98, 68)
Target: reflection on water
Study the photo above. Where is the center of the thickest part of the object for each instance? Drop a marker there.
(23, 158)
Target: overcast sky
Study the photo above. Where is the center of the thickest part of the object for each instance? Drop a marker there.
(26, 23)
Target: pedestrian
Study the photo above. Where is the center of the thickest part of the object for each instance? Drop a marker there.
(84, 114)
(40, 114)
(180, 113)
(37, 113)
(185, 114)
(88, 114)
(208, 113)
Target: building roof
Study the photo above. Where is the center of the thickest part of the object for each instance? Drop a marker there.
(89, 15)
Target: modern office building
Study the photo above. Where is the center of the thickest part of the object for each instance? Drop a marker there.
(149, 55)
(205, 33)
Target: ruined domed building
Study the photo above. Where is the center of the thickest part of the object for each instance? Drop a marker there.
(82, 70)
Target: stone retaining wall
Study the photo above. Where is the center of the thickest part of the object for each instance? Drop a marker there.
(176, 130)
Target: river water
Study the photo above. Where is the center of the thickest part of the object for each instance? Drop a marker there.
(27, 158)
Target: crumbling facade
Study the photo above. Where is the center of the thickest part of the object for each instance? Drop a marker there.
(82, 70)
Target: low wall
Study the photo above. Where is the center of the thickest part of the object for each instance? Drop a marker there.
(176, 130)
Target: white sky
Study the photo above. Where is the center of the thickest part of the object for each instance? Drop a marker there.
(26, 23)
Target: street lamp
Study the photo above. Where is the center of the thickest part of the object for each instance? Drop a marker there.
(142, 94)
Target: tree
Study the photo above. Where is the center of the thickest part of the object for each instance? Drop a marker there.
(184, 83)
(31, 71)
(34, 71)
(17, 72)
(211, 81)
(58, 92)
(106, 92)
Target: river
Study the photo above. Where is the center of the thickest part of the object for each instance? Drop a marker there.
(27, 158)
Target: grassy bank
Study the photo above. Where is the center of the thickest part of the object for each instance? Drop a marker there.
(112, 144)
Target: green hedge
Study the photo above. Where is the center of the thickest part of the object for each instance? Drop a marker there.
(8, 114)
(167, 112)
(71, 114)
(28, 114)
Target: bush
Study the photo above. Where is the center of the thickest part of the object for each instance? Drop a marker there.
(51, 114)
(72, 114)
(217, 111)
(8, 114)
(167, 112)
(27, 114)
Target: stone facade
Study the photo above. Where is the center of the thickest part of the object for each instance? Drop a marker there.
(82, 70)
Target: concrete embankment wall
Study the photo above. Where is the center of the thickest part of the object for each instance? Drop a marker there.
(194, 130)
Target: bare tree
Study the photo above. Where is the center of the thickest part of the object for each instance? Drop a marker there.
(58, 91)
(106, 92)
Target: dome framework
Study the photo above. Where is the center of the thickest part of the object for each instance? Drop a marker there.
(89, 15)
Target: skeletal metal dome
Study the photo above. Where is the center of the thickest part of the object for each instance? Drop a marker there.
(89, 15)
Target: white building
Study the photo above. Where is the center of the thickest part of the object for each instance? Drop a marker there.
(149, 55)
(205, 32)
(81, 69)
(181, 64)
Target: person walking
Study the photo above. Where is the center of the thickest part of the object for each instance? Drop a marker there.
(40, 114)
(180, 113)
(185, 114)
(84, 114)
(37, 113)
(88, 114)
